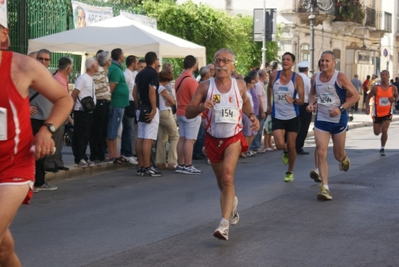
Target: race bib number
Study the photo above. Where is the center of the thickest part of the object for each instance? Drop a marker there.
(326, 99)
(3, 124)
(280, 96)
(226, 114)
(384, 101)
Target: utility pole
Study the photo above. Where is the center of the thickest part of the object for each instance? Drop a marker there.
(311, 18)
(264, 36)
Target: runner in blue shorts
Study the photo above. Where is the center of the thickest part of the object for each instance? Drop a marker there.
(330, 87)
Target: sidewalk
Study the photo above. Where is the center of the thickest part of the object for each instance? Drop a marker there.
(360, 119)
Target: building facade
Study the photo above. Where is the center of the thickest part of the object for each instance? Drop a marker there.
(364, 34)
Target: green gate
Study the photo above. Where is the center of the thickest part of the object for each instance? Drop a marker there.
(29, 19)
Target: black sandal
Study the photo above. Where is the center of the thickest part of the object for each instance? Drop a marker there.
(120, 160)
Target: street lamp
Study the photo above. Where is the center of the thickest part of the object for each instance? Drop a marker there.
(311, 18)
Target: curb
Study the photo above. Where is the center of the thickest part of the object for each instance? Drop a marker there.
(75, 172)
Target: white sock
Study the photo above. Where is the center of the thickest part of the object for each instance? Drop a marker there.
(382, 147)
(326, 186)
(223, 220)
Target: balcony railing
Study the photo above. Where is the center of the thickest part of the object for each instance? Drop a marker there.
(371, 16)
(319, 8)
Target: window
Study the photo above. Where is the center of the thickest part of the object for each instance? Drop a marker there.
(337, 54)
(387, 22)
(397, 18)
(305, 54)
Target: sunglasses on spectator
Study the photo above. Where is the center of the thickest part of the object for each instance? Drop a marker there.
(43, 58)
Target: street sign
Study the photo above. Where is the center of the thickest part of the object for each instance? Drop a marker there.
(270, 24)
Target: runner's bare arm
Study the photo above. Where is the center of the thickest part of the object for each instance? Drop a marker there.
(299, 85)
(199, 103)
(371, 94)
(246, 105)
(269, 91)
(27, 72)
(394, 97)
(312, 96)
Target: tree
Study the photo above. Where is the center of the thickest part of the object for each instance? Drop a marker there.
(213, 29)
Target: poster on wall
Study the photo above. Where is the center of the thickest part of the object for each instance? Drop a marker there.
(147, 21)
(85, 15)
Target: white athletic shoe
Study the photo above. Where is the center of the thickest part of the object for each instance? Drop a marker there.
(222, 232)
(234, 217)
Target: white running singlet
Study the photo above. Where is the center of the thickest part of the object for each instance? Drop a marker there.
(329, 96)
(225, 118)
(281, 109)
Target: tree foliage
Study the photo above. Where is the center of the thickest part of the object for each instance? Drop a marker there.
(202, 25)
(211, 28)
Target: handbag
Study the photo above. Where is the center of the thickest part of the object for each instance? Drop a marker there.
(144, 110)
(130, 111)
(174, 109)
(87, 104)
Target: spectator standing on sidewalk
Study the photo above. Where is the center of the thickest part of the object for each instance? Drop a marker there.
(119, 101)
(40, 111)
(83, 120)
(365, 90)
(358, 86)
(145, 94)
(304, 116)
(18, 73)
(54, 162)
(185, 87)
(98, 132)
(129, 115)
(262, 100)
(167, 125)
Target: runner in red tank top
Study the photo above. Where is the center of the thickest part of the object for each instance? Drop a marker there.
(17, 74)
(385, 95)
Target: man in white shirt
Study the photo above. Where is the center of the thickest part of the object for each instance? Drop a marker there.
(304, 116)
(84, 87)
(129, 114)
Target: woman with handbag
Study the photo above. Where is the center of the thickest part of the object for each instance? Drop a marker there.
(167, 125)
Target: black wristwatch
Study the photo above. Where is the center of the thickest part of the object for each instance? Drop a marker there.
(50, 127)
(341, 108)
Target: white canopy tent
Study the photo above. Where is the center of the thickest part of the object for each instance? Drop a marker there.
(119, 32)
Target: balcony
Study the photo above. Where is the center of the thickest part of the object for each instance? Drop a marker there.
(382, 24)
(320, 10)
(349, 11)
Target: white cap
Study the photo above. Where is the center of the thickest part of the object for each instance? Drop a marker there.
(3, 13)
(303, 64)
(4, 22)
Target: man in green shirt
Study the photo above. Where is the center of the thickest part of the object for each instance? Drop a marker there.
(119, 100)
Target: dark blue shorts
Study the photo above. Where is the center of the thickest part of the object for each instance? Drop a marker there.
(331, 127)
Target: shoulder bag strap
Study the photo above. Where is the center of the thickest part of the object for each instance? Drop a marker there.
(177, 88)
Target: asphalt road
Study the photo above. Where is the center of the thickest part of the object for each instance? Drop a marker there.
(120, 219)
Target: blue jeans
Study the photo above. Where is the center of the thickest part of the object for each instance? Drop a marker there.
(127, 136)
(257, 143)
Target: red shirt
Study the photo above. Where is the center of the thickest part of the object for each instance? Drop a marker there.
(185, 92)
(16, 160)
